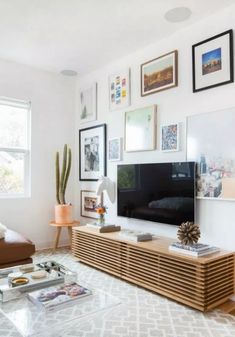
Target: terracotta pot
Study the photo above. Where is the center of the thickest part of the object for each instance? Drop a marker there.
(63, 214)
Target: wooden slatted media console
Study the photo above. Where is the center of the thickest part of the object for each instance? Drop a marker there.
(202, 283)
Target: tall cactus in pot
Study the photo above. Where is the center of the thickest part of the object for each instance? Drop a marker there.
(62, 179)
(63, 211)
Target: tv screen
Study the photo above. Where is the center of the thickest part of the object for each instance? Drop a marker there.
(162, 192)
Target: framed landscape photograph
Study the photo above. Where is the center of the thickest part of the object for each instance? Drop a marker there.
(213, 150)
(119, 90)
(88, 103)
(92, 153)
(170, 137)
(140, 129)
(115, 149)
(159, 74)
(213, 61)
(89, 202)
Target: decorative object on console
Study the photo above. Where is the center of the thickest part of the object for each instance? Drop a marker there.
(119, 90)
(188, 233)
(115, 149)
(159, 74)
(170, 137)
(92, 152)
(101, 210)
(88, 103)
(140, 129)
(89, 201)
(106, 184)
(63, 211)
(105, 228)
(208, 145)
(213, 61)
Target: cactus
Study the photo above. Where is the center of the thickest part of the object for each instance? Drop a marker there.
(62, 180)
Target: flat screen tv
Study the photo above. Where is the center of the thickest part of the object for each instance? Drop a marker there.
(161, 192)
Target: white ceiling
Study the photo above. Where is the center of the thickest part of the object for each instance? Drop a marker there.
(84, 35)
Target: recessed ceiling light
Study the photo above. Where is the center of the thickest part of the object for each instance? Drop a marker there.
(178, 14)
(68, 72)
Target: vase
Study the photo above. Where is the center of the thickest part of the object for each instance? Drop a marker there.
(101, 220)
(63, 214)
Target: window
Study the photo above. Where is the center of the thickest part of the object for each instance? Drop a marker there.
(14, 148)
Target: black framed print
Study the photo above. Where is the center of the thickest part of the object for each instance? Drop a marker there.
(212, 61)
(92, 153)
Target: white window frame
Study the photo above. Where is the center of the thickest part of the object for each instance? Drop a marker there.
(26, 151)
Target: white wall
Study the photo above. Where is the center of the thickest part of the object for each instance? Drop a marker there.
(52, 98)
(216, 218)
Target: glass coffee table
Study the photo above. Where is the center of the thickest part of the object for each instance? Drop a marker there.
(32, 320)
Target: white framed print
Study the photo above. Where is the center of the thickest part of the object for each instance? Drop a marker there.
(119, 90)
(170, 137)
(140, 129)
(89, 202)
(115, 149)
(88, 103)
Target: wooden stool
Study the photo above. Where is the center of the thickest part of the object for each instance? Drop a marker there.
(58, 231)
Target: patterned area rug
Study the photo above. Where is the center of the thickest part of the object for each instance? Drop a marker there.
(141, 314)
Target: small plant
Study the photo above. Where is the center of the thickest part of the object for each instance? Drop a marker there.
(101, 210)
(62, 179)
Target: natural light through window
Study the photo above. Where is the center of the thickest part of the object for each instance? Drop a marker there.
(14, 148)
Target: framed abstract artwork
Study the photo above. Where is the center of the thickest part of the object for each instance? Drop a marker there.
(213, 61)
(119, 90)
(211, 144)
(115, 149)
(140, 129)
(88, 103)
(92, 153)
(159, 74)
(170, 137)
(89, 202)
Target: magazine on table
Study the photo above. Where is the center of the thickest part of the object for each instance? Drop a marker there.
(57, 295)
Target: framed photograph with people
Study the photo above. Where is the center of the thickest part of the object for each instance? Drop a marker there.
(92, 153)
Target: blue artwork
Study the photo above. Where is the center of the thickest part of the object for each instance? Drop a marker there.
(211, 61)
(170, 137)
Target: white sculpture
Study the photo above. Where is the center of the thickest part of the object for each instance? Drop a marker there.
(106, 184)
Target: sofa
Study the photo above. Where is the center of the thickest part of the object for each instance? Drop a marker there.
(15, 249)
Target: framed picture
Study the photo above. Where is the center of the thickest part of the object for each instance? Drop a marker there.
(119, 90)
(170, 137)
(89, 201)
(92, 152)
(159, 74)
(140, 129)
(213, 61)
(115, 149)
(88, 103)
(211, 143)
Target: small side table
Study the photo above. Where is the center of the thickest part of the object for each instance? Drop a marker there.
(58, 226)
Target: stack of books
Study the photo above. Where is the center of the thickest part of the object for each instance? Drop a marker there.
(135, 236)
(197, 250)
(106, 228)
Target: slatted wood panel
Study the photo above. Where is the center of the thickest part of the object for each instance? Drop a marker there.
(202, 283)
(98, 252)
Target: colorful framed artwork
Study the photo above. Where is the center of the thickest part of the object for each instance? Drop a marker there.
(140, 129)
(213, 61)
(159, 74)
(89, 202)
(92, 153)
(211, 143)
(88, 103)
(119, 90)
(170, 137)
(115, 149)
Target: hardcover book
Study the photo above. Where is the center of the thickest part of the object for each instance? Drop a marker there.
(53, 296)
